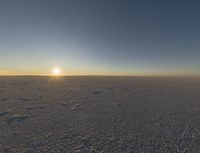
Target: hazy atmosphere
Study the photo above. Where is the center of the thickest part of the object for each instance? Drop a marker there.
(99, 37)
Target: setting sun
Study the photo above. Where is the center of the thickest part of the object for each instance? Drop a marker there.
(56, 71)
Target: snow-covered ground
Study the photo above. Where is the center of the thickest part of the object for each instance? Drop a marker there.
(99, 115)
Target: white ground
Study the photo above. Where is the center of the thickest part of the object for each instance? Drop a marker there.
(99, 114)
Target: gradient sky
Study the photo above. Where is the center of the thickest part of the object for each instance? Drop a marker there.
(100, 37)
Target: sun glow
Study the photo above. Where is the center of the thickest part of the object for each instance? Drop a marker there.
(56, 71)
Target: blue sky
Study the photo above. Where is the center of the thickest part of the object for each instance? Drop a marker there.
(100, 37)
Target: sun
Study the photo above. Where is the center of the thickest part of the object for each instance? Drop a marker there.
(56, 71)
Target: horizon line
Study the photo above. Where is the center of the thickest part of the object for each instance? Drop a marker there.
(27, 75)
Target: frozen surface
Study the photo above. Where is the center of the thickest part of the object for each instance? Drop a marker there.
(99, 114)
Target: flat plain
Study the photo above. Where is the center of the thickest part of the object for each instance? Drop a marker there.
(99, 115)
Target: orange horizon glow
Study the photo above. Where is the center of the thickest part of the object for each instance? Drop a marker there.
(58, 72)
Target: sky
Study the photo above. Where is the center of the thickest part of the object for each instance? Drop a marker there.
(100, 37)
